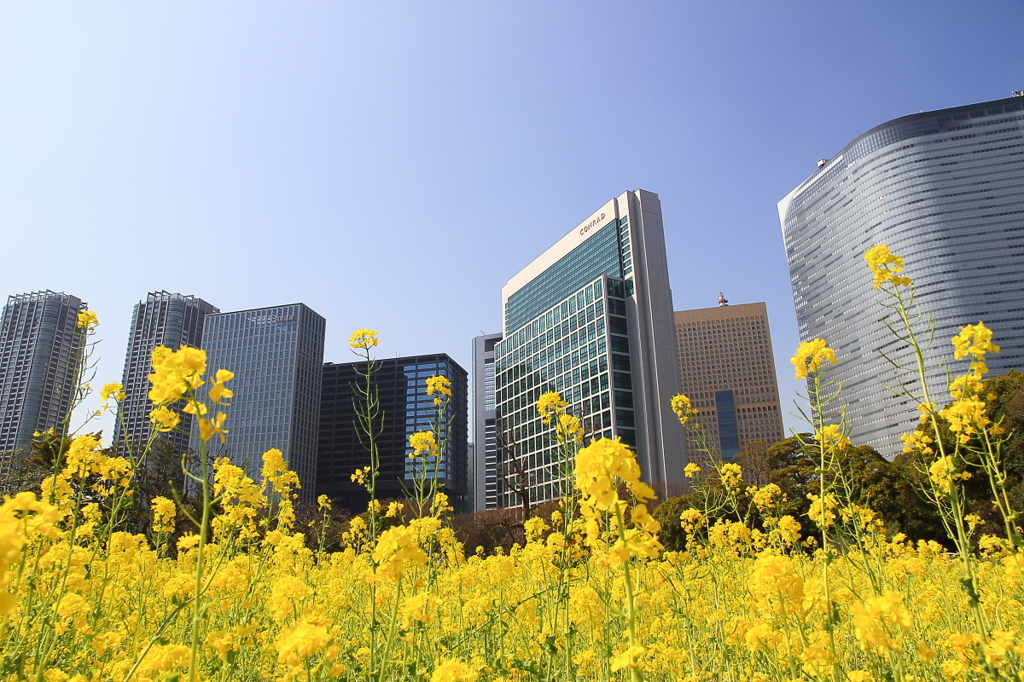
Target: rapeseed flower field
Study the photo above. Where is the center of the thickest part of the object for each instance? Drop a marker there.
(592, 594)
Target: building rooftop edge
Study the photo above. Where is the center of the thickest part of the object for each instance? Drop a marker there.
(401, 357)
(731, 306)
(564, 245)
(783, 204)
(266, 307)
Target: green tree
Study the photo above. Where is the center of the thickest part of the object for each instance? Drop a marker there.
(1004, 398)
(865, 478)
(754, 458)
(161, 474)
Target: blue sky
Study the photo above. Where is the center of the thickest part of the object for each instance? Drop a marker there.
(392, 165)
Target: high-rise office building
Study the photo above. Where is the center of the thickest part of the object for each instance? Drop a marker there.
(727, 369)
(406, 408)
(944, 190)
(163, 319)
(591, 318)
(40, 352)
(277, 355)
(486, 483)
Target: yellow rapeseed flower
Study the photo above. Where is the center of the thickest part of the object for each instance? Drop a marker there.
(968, 384)
(164, 418)
(821, 510)
(810, 356)
(275, 473)
(974, 340)
(683, 408)
(164, 512)
(767, 497)
(112, 390)
(731, 475)
(218, 392)
(884, 265)
(943, 473)
(789, 529)
(423, 444)
(439, 384)
(569, 429)
(628, 658)
(307, 637)
(831, 437)
(601, 466)
(878, 618)
(208, 428)
(363, 338)
(359, 475)
(690, 518)
(550, 405)
(966, 417)
(452, 670)
(87, 320)
(917, 441)
(396, 548)
(175, 372)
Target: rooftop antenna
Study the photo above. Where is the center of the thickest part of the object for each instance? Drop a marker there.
(722, 302)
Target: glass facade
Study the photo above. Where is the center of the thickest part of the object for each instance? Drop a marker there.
(579, 348)
(727, 369)
(39, 356)
(277, 356)
(590, 318)
(406, 408)
(163, 319)
(945, 190)
(598, 255)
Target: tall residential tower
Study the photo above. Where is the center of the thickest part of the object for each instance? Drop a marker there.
(944, 190)
(163, 319)
(277, 355)
(40, 352)
(591, 318)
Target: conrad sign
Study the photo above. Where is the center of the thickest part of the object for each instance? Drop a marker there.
(579, 234)
(594, 222)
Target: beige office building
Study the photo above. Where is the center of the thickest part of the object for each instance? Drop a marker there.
(727, 369)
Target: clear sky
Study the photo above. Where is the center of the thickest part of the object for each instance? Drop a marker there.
(392, 165)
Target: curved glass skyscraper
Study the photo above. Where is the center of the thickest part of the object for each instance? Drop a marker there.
(943, 189)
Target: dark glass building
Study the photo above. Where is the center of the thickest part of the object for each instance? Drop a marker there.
(163, 319)
(944, 190)
(277, 356)
(407, 408)
(40, 352)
